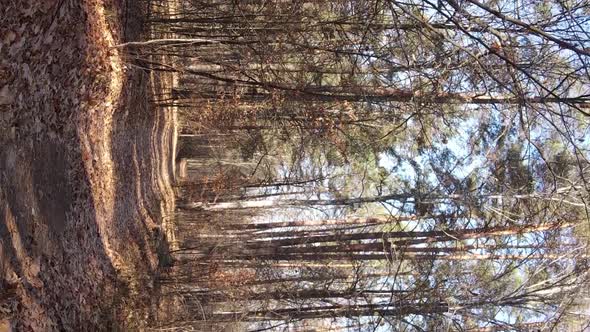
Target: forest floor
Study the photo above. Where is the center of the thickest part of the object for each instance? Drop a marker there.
(86, 166)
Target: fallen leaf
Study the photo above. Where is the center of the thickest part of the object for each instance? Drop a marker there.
(11, 278)
(27, 73)
(5, 326)
(35, 266)
(9, 37)
(6, 96)
(48, 38)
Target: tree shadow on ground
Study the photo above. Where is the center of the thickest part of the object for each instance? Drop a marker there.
(51, 242)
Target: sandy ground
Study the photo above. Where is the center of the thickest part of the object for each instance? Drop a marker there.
(85, 167)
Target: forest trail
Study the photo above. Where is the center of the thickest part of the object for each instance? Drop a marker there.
(85, 167)
(342, 165)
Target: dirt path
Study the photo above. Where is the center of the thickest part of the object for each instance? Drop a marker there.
(85, 168)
